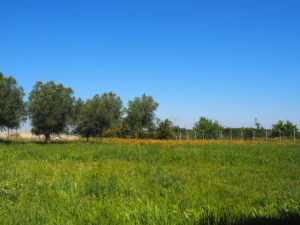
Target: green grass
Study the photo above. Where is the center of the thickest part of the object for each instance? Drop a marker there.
(86, 183)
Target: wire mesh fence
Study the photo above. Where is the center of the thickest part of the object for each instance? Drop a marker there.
(237, 134)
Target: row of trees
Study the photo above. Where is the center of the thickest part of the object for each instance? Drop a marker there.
(213, 129)
(52, 109)
(103, 116)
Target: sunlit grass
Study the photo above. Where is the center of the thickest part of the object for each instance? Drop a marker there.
(150, 182)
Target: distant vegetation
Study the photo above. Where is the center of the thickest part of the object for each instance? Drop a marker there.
(52, 109)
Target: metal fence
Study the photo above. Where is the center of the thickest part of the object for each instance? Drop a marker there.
(236, 134)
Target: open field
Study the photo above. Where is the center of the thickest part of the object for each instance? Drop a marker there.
(149, 182)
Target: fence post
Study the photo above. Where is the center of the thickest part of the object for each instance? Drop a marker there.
(231, 134)
(253, 135)
(203, 135)
(221, 135)
(280, 135)
(266, 135)
(294, 135)
(242, 135)
(195, 135)
(187, 135)
(179, 135)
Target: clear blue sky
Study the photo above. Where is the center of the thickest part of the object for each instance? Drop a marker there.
(231, 61)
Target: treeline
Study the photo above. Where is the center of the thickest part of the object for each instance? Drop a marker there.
(52, 109)
(208, 129)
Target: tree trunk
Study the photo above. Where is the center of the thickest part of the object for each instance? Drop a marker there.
(47, 138)
(136, 135)
(87, 138)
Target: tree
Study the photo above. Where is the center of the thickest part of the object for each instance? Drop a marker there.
(99, 113)
(73, 118)
(140, 114)
(12, 106)
(209, 127)
(178, 132)
(114, 108)
(284, 128)
(290, 128)
(258, 125)
(76, 108)
(164, 130)
(50, 108)
(259, 131)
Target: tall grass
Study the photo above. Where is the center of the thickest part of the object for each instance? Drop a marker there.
(92, 183)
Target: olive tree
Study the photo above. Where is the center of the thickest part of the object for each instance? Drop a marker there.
(164, 130)
(99, 113)
(209, 127)
(50, 107)
(140, 114)
(12, 106)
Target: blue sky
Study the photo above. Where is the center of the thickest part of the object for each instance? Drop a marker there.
(231, 61)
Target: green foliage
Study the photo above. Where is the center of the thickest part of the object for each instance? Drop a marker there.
(179, 132)
(140, 114)
(284, 128)
(53, 110)
(211, 129)
(99, 113)
(258, 125)
(50, 108)
(12, 106)
(116, 132)
(114, 107)
(88, 183)
(77, 106)
(259, 130)
(164, 130)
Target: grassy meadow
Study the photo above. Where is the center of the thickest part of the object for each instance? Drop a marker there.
(68, 183)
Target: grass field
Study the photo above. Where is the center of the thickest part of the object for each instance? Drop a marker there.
(139, 183)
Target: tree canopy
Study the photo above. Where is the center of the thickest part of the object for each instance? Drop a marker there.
(286, 128)
(12, 106)
(50, 107)
(99, 113)
(140, 114)
(164, 130)
(209, 127)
